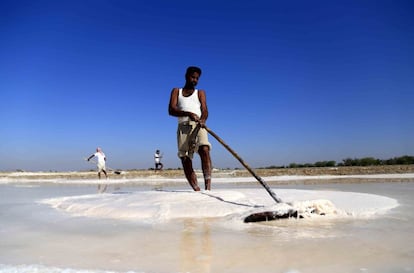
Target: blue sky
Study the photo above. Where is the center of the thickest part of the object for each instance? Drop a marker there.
(286, 81)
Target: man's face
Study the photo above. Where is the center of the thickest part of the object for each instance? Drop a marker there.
(192, 79)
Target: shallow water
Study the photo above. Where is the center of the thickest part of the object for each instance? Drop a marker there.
(37, 238)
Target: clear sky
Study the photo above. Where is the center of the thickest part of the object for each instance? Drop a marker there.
(286, 81)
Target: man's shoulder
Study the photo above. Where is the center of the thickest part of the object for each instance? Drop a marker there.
(201, 93)
(174, 91)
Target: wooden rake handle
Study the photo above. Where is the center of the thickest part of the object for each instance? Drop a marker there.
(261, 181)
(193, 139)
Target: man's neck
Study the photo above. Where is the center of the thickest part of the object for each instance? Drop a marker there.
(189, 87)
(188, 90)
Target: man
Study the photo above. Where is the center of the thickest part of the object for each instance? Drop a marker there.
(157, 159)
(101, 166)
(190, 106)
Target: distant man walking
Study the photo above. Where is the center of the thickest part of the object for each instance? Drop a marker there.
(190, 106)
(157, 159)
(101, 165)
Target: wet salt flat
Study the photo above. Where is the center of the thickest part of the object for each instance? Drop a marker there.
(63, 227)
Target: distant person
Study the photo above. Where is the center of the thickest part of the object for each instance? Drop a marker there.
(101, 165)
(190, 106)
(157, 159)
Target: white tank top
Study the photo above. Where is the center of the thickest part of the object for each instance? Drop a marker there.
(188, 104)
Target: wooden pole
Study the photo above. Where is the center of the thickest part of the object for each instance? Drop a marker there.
(261, 181)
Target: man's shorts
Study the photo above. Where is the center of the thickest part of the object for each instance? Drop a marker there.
(183, 138)
(101, 167)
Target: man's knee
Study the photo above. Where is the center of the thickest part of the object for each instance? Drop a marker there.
(186, 160)
(204, 149)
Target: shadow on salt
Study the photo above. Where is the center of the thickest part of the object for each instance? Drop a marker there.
(162, 206)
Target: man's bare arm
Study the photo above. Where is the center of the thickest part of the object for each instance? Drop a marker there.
(204, 109)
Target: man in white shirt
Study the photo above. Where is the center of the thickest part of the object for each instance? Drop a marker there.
(101, 166)
(157, 159)
(189, 105)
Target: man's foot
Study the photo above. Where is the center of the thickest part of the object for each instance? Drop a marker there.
(195, 187)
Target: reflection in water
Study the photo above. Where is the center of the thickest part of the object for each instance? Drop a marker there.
(195, 246)
(287, 229)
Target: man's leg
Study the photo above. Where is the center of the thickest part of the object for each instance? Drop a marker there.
(189, 172)
(102, 188)
(204, 152)
(99, 185)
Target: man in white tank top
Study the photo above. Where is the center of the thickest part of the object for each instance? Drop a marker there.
(190, 106)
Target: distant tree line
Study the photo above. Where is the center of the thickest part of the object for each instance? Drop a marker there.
(370, 161)
(365, 161)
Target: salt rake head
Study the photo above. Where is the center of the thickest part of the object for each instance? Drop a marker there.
(266, 216)
(297, 210)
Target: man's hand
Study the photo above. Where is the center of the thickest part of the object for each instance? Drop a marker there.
(202, 123)
(194, 117)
